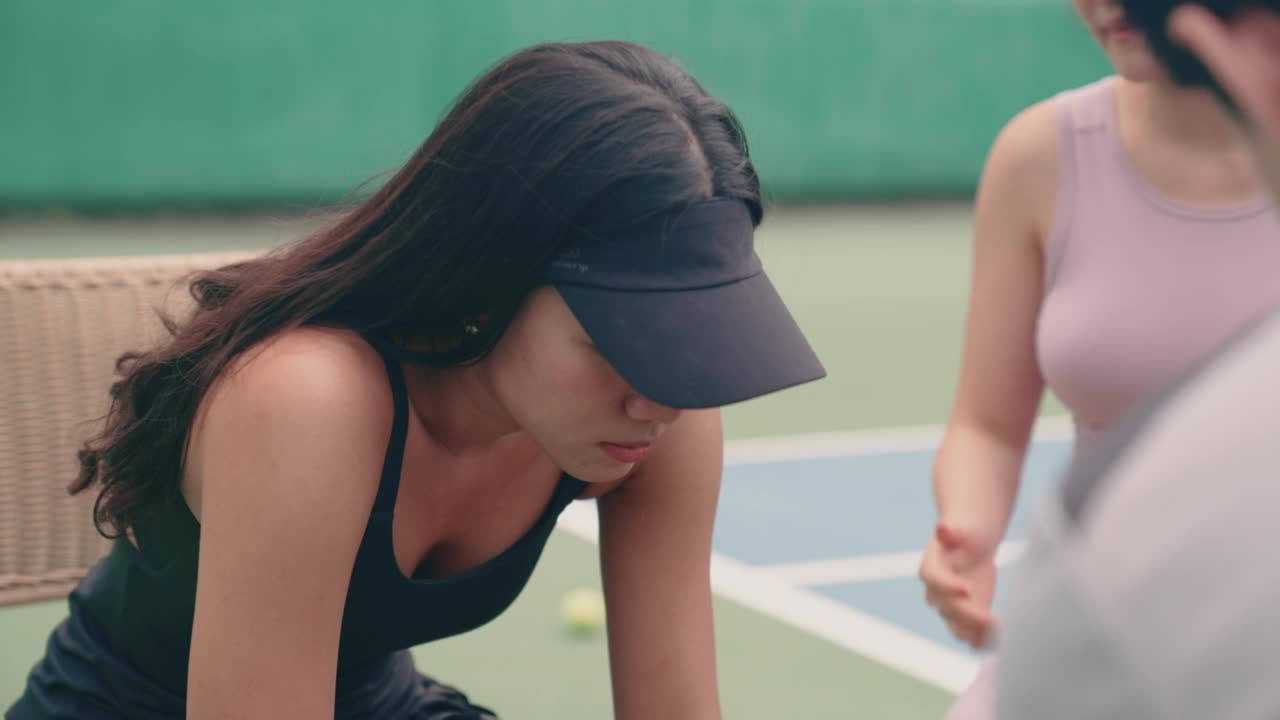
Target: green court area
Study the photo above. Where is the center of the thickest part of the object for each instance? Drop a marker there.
(880, 290)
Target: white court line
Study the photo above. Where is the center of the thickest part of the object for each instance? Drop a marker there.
(806, 610)
(863, 442)
(865, 568)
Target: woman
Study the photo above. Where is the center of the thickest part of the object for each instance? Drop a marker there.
(361, 442)
(1122, 234)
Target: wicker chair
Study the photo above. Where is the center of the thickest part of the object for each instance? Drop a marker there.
(63, 323)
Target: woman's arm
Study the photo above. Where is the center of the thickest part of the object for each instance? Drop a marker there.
(655, 545)
(284, 465)
(977, 468)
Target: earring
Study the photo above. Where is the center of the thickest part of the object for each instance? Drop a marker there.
(470, 328)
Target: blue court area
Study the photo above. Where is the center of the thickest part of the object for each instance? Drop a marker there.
(849, 525)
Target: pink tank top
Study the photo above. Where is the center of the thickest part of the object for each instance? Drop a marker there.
(1139, 287)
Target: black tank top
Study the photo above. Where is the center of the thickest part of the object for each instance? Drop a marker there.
(141, 600)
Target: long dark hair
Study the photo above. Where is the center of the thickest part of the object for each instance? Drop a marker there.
(556, 141)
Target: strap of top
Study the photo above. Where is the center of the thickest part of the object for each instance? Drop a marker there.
(1084, 114)
(389, 483)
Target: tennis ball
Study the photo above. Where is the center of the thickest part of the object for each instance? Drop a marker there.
(582, 611)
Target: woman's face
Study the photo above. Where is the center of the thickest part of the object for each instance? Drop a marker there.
(1123, 44)
(549, 377)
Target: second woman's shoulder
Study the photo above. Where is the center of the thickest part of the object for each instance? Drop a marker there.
(1020, 181)
(1027, 145)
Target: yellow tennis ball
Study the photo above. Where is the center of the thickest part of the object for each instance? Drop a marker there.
(582, 610)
